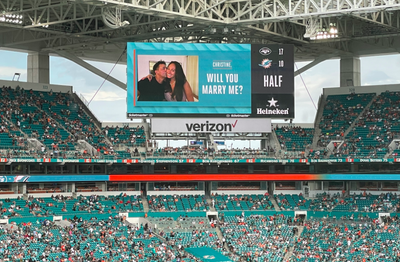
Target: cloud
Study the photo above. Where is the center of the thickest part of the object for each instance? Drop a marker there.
(324, 75)
(109, 111)
(69, 72)
(7, 73)
(377, 77)
(381, 70)
(104, 96)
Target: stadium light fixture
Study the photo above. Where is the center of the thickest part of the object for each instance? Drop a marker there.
(16, 76)
(11, 18)
(112, 17)
(314, 31)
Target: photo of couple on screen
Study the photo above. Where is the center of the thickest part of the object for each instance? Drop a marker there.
(167, 81)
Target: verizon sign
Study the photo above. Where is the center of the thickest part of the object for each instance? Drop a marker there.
(210, 125)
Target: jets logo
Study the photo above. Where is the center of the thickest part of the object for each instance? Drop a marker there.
(265, 51)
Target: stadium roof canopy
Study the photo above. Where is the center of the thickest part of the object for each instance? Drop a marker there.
(99, 30)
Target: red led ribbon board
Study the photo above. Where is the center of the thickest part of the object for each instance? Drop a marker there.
(214, 177)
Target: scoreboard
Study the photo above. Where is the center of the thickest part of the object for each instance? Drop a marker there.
(272, 81)
(223, 80)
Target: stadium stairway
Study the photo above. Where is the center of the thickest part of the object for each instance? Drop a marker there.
(10, 122)
(318, 117)
(77, 100)
(220, 236)
(59, 125)
(359, 116)
(63, 223)
(273, 201)
(289, 252)
(274, 142)
(96, 123)
(145, 204)
(301, 228)
(209, 202)
(350, 128)
(12, 227)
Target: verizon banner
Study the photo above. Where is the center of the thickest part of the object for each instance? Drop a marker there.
(210, 125)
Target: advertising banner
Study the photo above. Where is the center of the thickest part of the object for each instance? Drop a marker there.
(255, 159)
(53, 178)
(207, 254)
(213, 80)
(210, 125)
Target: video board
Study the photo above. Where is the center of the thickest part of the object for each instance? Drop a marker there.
(210, 80)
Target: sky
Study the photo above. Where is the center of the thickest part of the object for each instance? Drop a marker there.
(323, 75)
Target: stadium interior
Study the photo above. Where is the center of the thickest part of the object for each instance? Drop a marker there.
(74, 188)
(92, 200)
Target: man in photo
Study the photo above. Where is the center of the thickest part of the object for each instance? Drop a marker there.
(153, 90)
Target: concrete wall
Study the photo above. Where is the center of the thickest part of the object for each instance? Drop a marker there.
(10, 196)
(179, 193)
(303, 125)
(137, 221)
(291, 192)
(360, 89)
(313, 193)
(108, 193)
(239, 192)
(122, 124)
(373, 192)
(37, 86)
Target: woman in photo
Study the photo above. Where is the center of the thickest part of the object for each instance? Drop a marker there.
(178, 88)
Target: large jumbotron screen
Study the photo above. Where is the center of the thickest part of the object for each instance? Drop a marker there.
(218, 80)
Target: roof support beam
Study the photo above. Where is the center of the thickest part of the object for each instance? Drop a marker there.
(316, 61)
(91, 68)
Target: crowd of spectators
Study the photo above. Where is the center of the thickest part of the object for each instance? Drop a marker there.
(53, 119)
(324, 202)
(126, 135)
(177, 203)
(363, 202)
(294, 138)
(58, 122)
(385, 202)
(197, 152)
(370, 240)
(258, 237)
(375, 129)
(292, 202)
(84, 240)
(254, 237)
(241, 202)
(339, 113)
(62, 205)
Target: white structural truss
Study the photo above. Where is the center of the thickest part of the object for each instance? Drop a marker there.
(99, 29)
(250, 11)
